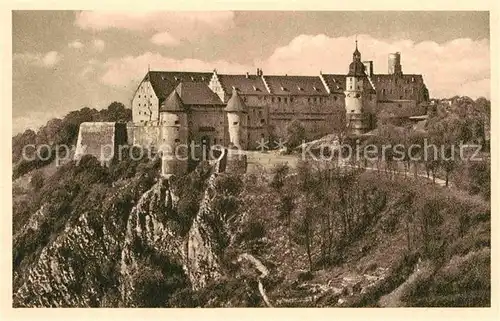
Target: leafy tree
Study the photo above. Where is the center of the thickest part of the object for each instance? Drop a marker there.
(295, 134)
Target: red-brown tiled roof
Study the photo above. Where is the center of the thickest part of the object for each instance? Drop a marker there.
(197, 93)
(246, 85)
(295, 85)
(164, 82)
(172, 103)
(335, 82)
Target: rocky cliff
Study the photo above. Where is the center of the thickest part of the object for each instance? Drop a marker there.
(91, 264)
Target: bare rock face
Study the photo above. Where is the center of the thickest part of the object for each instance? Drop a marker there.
(201, 261)
(65, 273)
(149, 229)
(94, 260)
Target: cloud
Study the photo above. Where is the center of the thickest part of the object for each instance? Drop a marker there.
(77, 44)
(128, 71)
(99, 44)
(457, 67)
(49, 59)
(164, 39)
(180, 25)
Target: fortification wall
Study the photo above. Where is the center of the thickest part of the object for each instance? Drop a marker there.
(100, 139)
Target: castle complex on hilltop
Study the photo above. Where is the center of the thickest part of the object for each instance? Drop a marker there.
(172, 108)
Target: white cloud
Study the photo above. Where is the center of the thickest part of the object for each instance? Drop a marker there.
(457, 67)
(164, 39)
(127, 71)
(99, 44)
(180, 25)
(77, 44)
(49, 59)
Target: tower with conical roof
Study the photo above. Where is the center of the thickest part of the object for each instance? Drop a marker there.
(174, 133)
(358, 120)
(236, 111)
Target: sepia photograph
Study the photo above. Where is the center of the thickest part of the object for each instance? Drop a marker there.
(251, 159)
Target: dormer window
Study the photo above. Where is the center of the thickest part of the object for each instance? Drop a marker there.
(283, 88)
(162, 77)
(315, 89)
(192, 78)
(202, 78)
(176, 78)
(300, 88)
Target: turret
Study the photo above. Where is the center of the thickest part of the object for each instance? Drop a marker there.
(395, 64)
(174, 135)
(236, 118)
(358, 120)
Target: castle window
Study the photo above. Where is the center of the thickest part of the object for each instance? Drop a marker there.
(279, 99)
(291, 99)
(335, 98)
(400, 97)
(260, 113)
(139, 96)
(272, 99)
(399, 105)
(177, 140)
(262, 121)
(235, 123)
(177, 122)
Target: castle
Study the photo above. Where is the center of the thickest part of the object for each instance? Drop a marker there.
(208, 108)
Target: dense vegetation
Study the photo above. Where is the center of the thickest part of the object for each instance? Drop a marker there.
(59, 132)
(309, 225)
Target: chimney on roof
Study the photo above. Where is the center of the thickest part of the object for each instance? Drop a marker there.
(247, 75)
(259, 72)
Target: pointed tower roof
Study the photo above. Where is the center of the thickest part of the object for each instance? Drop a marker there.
(172, 103)
(235, 103)
(356, 68)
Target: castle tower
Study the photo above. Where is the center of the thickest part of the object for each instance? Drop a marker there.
(394, 64)
(174, 134)
(358, 121)
(236, 119)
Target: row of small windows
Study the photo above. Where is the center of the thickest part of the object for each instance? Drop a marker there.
(290, 99)
(150, 96)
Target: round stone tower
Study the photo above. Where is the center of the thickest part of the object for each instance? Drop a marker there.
(174, 134)
(394, 63)
(236, 111)
(358, 121)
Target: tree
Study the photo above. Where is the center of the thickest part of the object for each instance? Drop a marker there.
(280, 172)
(295, 134)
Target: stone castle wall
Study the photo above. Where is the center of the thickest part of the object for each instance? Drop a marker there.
(101, 140)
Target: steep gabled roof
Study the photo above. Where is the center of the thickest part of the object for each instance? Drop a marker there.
(197, 93)
(164, 82)
(172, 103)
(235, 103)
(246, 85)
(296, 85)
(335, 82)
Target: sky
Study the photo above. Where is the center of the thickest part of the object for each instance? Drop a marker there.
(67, 60)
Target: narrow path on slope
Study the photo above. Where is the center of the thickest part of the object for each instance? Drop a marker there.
(263, 273)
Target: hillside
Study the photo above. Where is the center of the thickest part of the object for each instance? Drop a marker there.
(323, 237)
